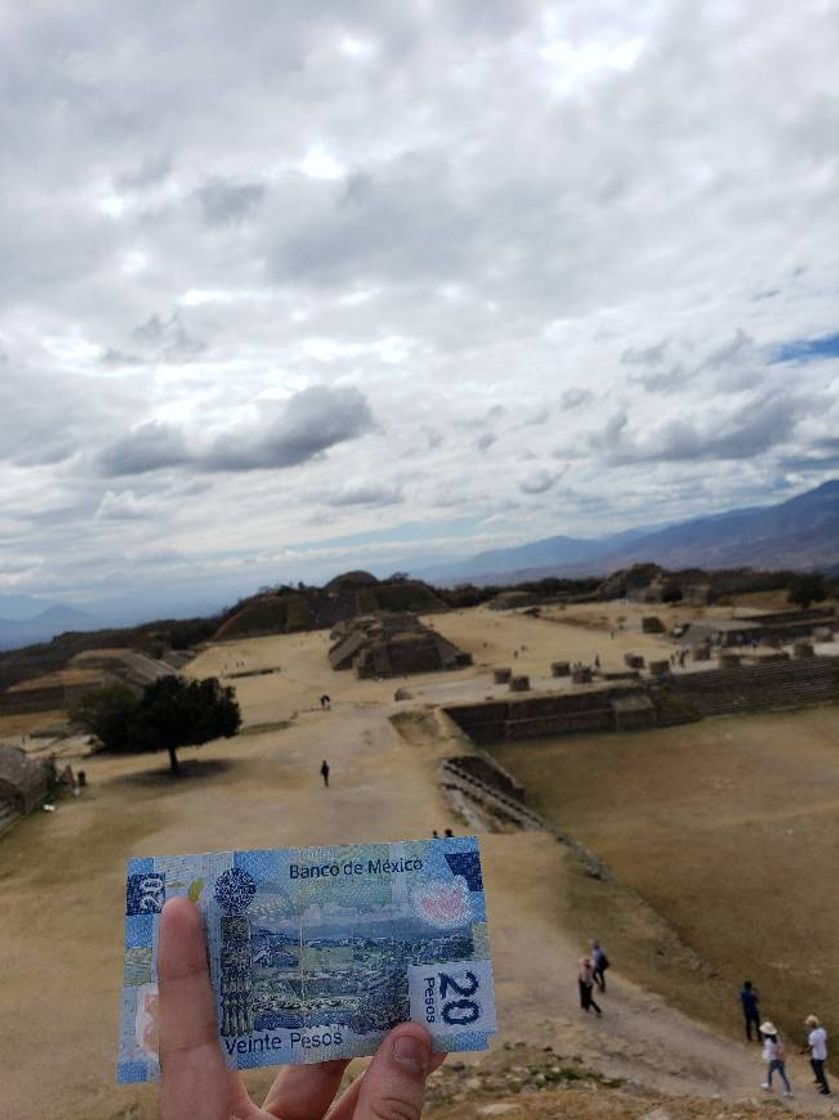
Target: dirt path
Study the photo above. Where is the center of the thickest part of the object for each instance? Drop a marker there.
(640, 1037)
(61, 878)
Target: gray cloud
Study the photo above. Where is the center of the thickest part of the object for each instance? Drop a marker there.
(150, 447)
(146, 174)
(749, 431)
(124, 506)
(168, 339)
(539, 482)
(404, 221)
(576, 398)
(670, 365)
(309, 423)
(224, 203)
(312, 421)
(646, 355)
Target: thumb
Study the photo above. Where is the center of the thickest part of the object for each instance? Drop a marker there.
(393, 1088)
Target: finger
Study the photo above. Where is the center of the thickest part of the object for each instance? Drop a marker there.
(393, 1088)
(305, 1092)
(345, 1105)
(194, 1079)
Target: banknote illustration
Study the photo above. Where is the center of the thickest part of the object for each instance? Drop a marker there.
(316, 953)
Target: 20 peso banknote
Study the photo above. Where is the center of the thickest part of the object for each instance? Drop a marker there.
(315, 953)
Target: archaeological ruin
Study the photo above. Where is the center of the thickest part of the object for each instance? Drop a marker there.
(24, 785)
(389, 644)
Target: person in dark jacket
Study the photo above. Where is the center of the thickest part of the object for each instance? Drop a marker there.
(750, 1001)
(599, 964)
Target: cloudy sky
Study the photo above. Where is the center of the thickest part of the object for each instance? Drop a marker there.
(295, 287)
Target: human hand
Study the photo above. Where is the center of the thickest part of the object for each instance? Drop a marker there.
(196, 1084)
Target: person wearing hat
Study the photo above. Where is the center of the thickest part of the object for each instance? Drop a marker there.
(586, 985)
(774, 1056)
(817, 1042)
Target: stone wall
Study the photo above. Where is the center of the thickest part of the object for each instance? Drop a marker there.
(538, 717)
(770, 686)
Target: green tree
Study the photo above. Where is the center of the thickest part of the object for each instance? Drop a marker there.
(806, 589)
(109, 715)
(171, 713)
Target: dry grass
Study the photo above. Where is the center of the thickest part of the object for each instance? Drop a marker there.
(726, 828)
(24, 723)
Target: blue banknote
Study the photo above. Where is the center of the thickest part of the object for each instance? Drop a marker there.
(315, 953)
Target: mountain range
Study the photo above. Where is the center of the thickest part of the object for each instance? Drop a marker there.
(802, 532)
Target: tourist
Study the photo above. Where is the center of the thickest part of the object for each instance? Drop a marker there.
(449, 834)
(599, 964)
(325, 702)
(586, 983)
(751, 1013)
(817, 1044)
(774, 1056)
(324, 773)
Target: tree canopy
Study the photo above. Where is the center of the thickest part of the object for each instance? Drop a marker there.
(807, 588)
(170, 713)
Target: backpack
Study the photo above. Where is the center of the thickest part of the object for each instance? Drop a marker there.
(604, 962)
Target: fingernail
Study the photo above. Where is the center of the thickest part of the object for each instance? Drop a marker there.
(411, 1052)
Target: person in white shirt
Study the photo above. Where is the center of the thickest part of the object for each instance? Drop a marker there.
(817, 1042)
(774, 1056)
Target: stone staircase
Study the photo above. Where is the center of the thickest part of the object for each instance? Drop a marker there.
(773, 686)
(455, 776)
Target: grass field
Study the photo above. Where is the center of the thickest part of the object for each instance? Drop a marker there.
(729, 829)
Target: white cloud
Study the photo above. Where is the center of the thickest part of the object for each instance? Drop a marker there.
(517, 233)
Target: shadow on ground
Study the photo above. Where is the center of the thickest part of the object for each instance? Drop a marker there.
(190, 770)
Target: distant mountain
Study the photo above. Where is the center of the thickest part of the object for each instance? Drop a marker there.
(549, 553)
(802, 532)
(18, 608)
(44, 626)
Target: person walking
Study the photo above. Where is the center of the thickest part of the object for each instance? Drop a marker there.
(599, 964)
(751, 1012)
(817, 1043)
(586, 983)
(324, 773)
(774, 1056)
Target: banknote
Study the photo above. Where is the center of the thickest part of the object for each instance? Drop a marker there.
(315, 953)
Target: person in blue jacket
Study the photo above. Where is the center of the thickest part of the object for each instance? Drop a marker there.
(750, 1001)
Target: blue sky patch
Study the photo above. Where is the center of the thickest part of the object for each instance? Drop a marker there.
(807, 349)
